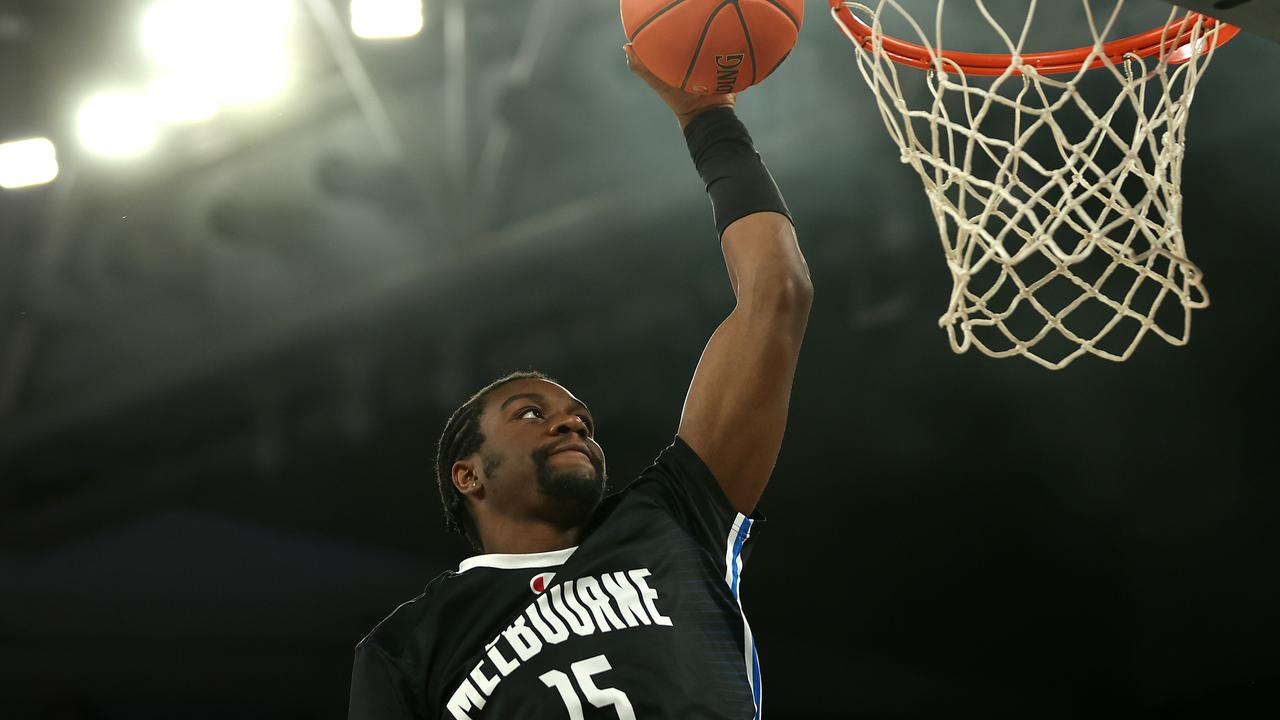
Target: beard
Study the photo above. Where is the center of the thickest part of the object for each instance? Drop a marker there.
(576, 492)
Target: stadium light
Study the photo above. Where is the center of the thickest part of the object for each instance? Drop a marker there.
(24, 163)
(386, 19)
(116, 125)
(232, 51)
(175, 99)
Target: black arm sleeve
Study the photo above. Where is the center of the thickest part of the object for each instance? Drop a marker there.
(736, 178)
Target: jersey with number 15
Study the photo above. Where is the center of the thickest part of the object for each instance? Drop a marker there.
(640, 620)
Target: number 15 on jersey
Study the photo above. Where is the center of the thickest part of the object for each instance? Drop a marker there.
(583, 671)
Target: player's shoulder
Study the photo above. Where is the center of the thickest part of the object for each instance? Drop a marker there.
(677, 470)
(679, 463)
(411, 620)
(677, 457)
(679, 454)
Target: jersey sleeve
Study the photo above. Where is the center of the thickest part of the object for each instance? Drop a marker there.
(681, 483)
(378, 688)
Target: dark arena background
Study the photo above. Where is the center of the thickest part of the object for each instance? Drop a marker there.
(232, 327)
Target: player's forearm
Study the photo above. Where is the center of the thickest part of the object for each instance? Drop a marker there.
(765, 264)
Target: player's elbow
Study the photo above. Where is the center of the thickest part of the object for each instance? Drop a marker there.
(787, 280)
(796, 293)
(784, 294)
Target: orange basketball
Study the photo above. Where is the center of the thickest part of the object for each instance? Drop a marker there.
(712, 46)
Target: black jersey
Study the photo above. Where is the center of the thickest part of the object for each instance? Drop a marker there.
(641, 620)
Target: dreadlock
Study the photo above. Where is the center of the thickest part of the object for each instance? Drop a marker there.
(462, 437)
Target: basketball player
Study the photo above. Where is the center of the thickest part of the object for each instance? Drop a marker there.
(628, 607)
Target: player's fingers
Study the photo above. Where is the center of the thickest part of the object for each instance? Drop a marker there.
(633, 62)
(637, 67)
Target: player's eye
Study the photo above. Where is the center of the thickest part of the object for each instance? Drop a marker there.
(525, 412)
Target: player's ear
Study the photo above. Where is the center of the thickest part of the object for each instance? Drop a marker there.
(466, 476)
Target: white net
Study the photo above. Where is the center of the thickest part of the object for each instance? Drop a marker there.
(1057, 197)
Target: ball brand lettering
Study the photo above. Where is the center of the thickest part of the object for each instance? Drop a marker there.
(582, 606)
(727, 72)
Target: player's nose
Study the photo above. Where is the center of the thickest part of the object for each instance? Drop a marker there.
(570, 424)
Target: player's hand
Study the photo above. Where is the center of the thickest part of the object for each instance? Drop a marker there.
(686, 106)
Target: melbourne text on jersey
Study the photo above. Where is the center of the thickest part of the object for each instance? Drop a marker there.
(582, 606)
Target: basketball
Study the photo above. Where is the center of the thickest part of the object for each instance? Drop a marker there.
(711, 47)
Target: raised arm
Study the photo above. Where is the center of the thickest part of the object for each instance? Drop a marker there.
(736, 409)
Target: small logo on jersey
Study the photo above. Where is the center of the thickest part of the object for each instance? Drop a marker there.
(540, 582)
(727, 72)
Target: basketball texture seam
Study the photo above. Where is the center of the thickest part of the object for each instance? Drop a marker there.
(786, 12)
(777, 64)
(653, 17)
(746, 33)
(684, 85)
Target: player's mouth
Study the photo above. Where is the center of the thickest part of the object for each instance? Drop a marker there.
(573, 449)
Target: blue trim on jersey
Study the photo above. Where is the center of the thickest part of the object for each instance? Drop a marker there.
(755, 672)
(735, 562)
(743, 531)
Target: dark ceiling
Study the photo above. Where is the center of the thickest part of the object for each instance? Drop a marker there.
(223, 368)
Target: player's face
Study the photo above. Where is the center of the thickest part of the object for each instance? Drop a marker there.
(540, 458)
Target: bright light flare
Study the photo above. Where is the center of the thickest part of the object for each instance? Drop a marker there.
(386, 19)
(250, 77)
(117, 125)
(234, 51)
(24, 163)
(176, 99)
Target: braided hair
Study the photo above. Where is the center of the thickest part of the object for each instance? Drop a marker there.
(462, 437)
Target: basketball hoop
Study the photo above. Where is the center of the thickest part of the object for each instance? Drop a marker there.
(1060, 215)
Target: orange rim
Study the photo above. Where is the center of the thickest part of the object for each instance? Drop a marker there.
(1174, 41)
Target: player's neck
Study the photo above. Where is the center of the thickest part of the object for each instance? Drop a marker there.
(520, 538)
